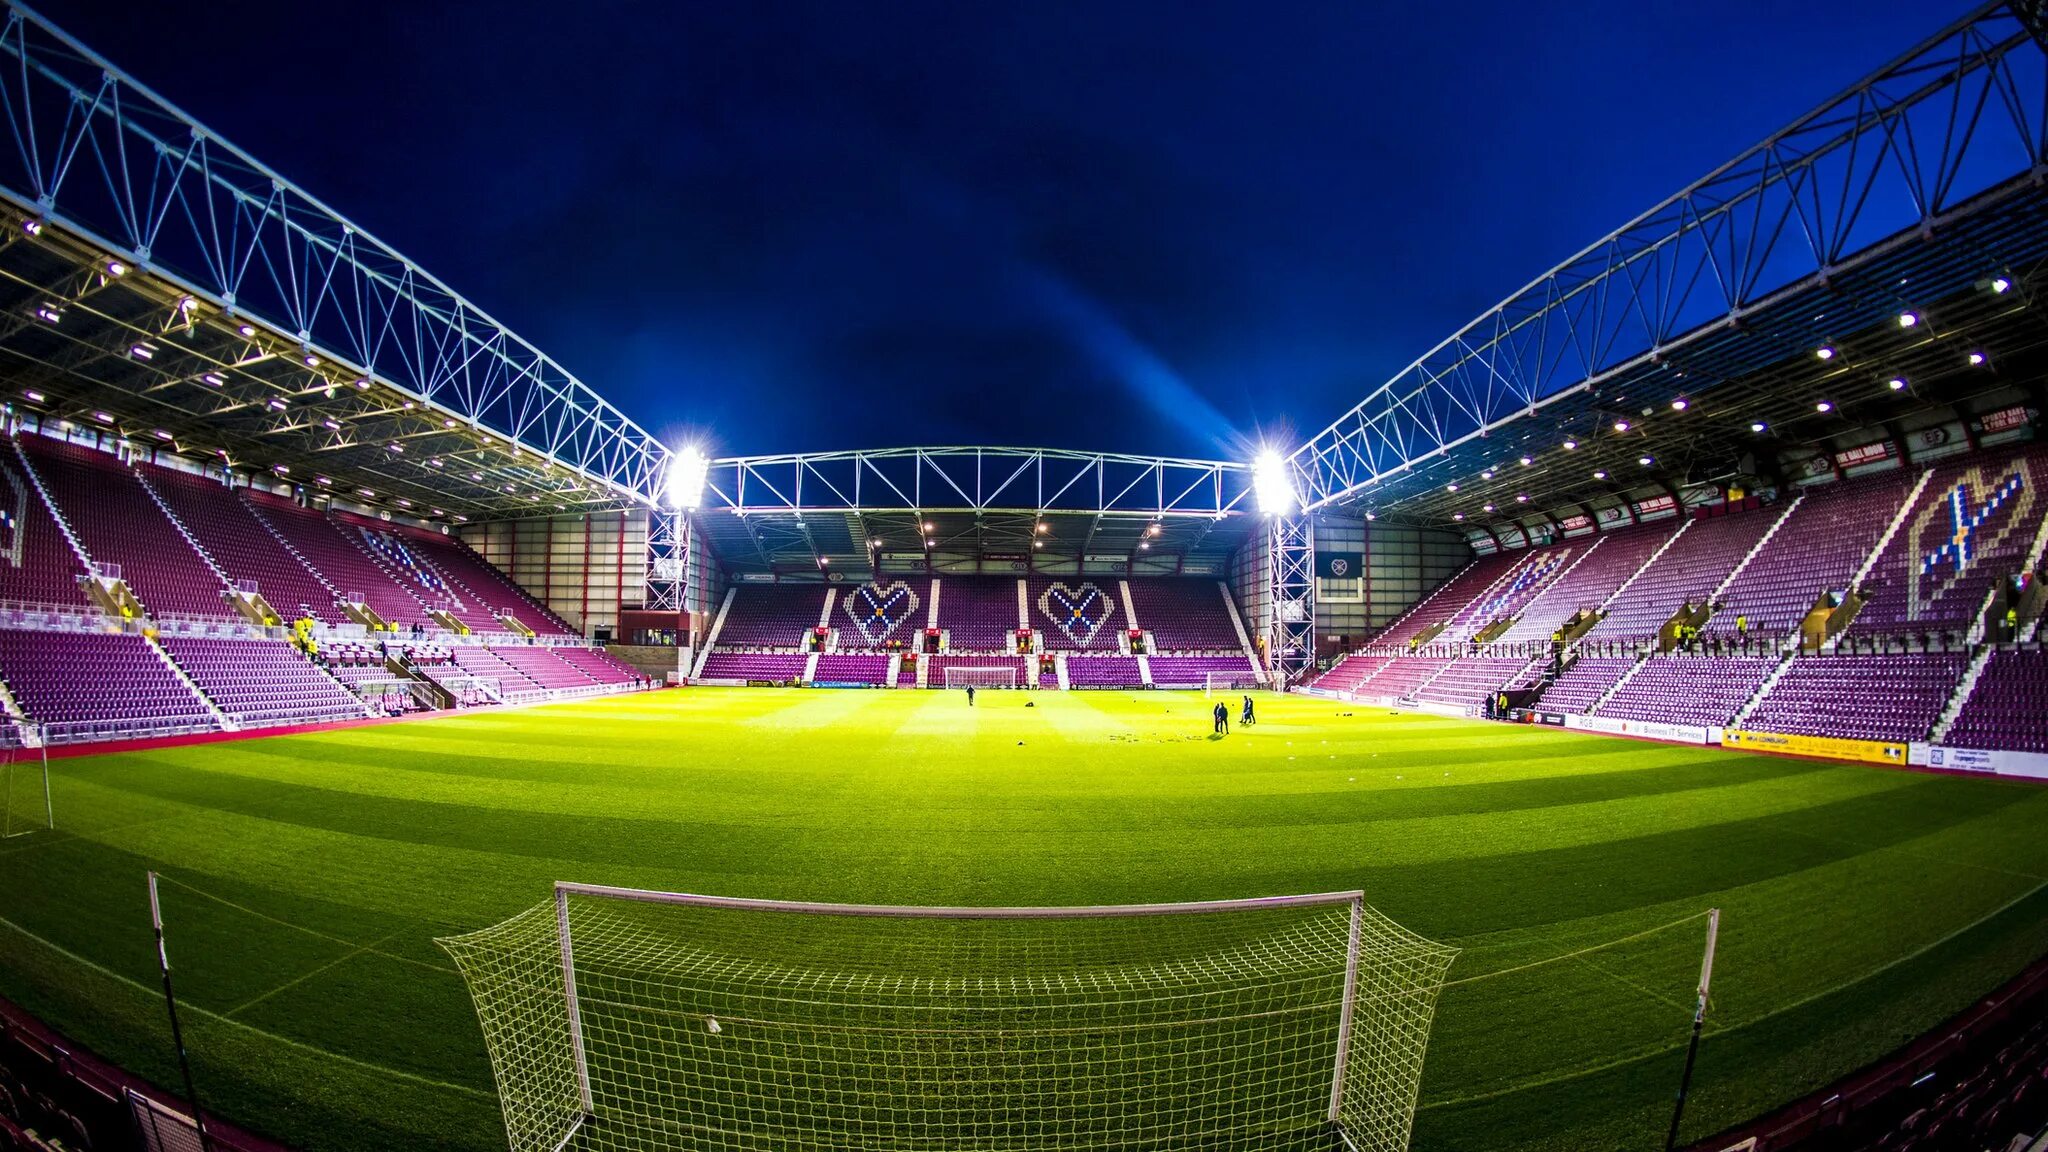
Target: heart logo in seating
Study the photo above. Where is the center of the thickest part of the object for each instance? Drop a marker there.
(1078, 612)
(877, 611)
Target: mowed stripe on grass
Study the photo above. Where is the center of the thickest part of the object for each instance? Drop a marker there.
(312, 873)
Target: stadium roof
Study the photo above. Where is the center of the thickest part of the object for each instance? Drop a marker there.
(1906, 194)
(159, 283)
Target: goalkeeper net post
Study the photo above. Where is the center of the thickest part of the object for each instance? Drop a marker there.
(1214, 682)
(629, 1019)
(25, 784)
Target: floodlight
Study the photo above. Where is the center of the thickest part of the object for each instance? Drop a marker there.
(1908, 319)
(1976, 358)
(1896, 384)
(1680, 404)
(1824, 406)
(1999, 284)
(687, 471)
(1272, 485)
(1600, 474)
(1824, 352)
(1759, 426)
(1571, 445)
(1621, 425)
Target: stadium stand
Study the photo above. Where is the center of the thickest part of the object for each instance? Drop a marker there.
(237, 542)
(2007, 707)
(541, 666)
(1192, 671)
(1581, 686)
(871, 615)
(1974, 523)
(342, 563)
(96, 684)
(1700, 690)
(1587, 581)
(262, 682)
(977, 611)
(1893, 697)
(1185, 615)
(1468, 682)
(601, 666)
(1102, 670)
(1076, 612)
(1818, 549)
(116, 522)
(853, 668)
(48, 570)
(1430, 616)
(780, 667)
(771, 615)
(1688, 572)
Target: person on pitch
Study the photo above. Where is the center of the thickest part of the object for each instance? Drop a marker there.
(1245, 718)
(970, 695)
(1221, 715)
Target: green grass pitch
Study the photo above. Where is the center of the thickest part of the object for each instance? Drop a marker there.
(307, 876)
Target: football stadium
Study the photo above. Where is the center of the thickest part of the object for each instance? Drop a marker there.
(1625, 728)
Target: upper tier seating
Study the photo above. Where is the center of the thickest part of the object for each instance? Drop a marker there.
(2008, 706)
(1192, 671)
(238, 542)
(771, 615)
(872, 615)
(1579, 687)
(853, 668)
(396, 556)
(1102, 670)
(1532, 573)
(977, 611)
(259, 682)
(113, 680)
(1818, 549)
(37, 565)
(1605, 565)
(481, 585)
(1687, 573)
(1973, 525)
(1185, 614)
(1706, 691)
(776, 666)
(1072, 612)
(344, 563)
(1451, 599)
(118, 523)
(1893, 697)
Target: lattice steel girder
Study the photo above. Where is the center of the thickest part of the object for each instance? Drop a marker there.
(1291, 630)
(1961, 114)
(101, 156)
(979, 480)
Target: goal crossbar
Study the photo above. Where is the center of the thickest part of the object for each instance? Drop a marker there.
(941, 912)
(623, 1019)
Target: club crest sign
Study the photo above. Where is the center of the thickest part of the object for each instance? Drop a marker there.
(1978, 515)
(877, 611)
(1079, 613)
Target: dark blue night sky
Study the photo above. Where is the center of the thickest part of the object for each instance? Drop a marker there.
(1163, 228)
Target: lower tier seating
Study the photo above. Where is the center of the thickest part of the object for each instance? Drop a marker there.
(262, 682)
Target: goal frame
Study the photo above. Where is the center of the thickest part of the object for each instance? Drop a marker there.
(1234, 682)
(1015, 675)
(565, 889)
(31, 751)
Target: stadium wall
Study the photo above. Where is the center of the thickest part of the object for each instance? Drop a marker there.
(584, 568)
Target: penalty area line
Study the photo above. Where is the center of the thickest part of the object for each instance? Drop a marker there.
(300, 1045)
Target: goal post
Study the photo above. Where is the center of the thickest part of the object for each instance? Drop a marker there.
(24, 783)
(622, 1019)
(1230, 682)
(982, 676)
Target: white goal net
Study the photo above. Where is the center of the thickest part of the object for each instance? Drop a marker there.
(982, 677)
(621, 1019)
(1214, 682)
